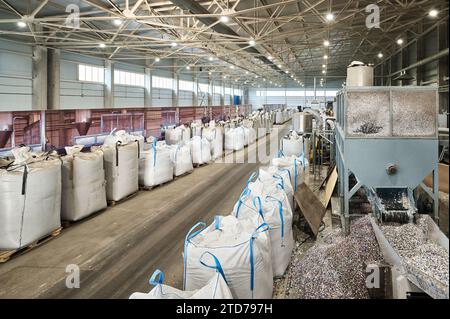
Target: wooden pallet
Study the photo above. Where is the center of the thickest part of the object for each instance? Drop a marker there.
(6, 255)
(149, 188)
(113, 203)
(200, 165)
(182, 175)
(69, 223)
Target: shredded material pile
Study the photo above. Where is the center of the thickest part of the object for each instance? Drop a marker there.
(334, 269)
(420, 255)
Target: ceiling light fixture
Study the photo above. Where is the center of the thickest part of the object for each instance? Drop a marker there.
(252, 42)
(224, 19)
(329, 16)
(157, 59)
(400, 41)
(21, 24)
(325, 57)
(174, 44)
(210, 58)
(433, 13)
(117, 22)
(380, 55)
(102, 45)
(326, 43)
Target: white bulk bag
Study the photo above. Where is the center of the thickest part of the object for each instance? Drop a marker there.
(242, 250)
(180, 134)
(197, 128)
(214, 136)
(121, 164)
(83, 184)
(155, 165)
(215, 288)
(279, 117)
(292, 145)
(30, 202)
(293, 164)
(201, 150)
(249, 136)
(275, 210)
(173, 136)
(234, 139)
(274, 177)
(181, 158)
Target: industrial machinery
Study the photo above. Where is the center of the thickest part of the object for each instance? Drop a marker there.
(387, 138)
(302, 122)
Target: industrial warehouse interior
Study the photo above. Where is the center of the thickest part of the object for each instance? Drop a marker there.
(224, 149)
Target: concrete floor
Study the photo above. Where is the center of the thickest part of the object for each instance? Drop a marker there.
(118, 249)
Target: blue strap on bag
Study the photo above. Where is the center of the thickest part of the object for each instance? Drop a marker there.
(295, 175)
(252, 178)
(245, 193)
(191, 234)
(277, 176)
(217, 266)
(157, 278)
(280, 212)
(154, 153)
(261, 229)
(258, 205)
(217, 220)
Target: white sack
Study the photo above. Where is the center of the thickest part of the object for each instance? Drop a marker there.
(180, 134)
(292, 145)
(294, 164)
(181, 158)
(262, 204)
(229, 239)
(201, 150)
(214, 135)
(29, 208)
(275, 178)
(215, 288)
(155, 165)
(249, 136)
(234, 139)
(121, 164)
(83, 184)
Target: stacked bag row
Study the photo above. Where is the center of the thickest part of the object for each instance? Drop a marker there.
(238, 255)
(75, 186)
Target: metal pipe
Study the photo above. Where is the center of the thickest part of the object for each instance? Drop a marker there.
(429, 59)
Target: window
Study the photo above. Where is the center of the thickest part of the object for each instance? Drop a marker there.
(295, 93)
(227, 91)
(91, 73)
(162, 82)
(204, 88)
(129, 78)
(185, 85)
(217, 89)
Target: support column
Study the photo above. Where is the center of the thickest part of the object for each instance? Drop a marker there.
(175, 91)
(39, 78)
(108, 95)
(195, 97)
(210, 91)
(222, 93)
(53, 79)
(148, 87)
